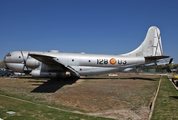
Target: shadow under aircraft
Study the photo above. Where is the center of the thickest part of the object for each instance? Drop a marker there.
(52, 85)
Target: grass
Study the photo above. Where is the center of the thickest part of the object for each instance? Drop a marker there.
(29, 111)
(100, 94)
(166, 105)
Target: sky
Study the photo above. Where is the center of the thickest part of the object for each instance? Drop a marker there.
(90, 26)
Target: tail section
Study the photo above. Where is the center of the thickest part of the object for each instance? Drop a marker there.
(151, 46)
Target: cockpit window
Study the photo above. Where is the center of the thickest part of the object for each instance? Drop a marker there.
(8, 55)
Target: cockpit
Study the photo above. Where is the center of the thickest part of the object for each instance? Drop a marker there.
(8, 55)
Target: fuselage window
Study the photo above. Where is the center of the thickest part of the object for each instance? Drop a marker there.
(72, 60)
(89, 61)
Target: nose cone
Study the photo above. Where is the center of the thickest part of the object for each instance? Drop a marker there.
(7, 59)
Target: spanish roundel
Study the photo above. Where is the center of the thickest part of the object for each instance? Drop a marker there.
(112, 61)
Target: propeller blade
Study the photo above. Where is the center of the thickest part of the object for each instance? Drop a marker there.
(25, 66)
(170, 60)
(23, 58)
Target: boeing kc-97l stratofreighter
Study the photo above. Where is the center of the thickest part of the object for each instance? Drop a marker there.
(53, 64)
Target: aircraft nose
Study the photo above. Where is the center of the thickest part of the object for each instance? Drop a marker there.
(7, 59)
(14, 61)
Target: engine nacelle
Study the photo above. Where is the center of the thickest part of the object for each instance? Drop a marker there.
(38, 73)
(32, 63)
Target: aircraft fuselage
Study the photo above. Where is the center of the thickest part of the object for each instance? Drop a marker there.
(84, 64)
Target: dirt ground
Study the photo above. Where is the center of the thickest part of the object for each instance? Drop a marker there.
(126, 98)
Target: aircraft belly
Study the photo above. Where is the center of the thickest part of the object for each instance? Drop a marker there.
(19, 67)
(96, 70)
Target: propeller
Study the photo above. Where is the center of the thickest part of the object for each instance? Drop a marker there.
(25, 68)
(170, 60)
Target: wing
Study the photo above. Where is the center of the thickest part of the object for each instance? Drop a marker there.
(49, 60)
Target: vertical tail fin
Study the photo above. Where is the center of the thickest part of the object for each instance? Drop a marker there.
(151, 46)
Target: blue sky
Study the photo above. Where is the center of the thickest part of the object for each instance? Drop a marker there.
(90, 26)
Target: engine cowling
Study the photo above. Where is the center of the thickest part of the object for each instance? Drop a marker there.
(32, 63)
(38, 73)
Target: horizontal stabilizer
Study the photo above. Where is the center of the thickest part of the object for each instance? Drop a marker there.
(156, 57)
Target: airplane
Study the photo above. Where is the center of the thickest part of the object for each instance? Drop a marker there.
(53, 64)
(175, 77)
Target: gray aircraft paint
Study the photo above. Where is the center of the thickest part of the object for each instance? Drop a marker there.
(55, 64)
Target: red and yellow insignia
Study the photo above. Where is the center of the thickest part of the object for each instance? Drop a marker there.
(112, 61)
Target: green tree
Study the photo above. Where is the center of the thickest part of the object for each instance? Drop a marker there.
(175, 66)
(169, 67)
(1, 64)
